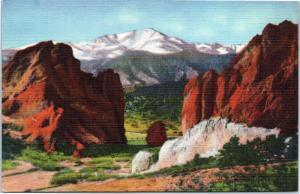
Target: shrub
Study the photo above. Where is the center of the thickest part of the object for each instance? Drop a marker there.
(11, 147)
(256, 151)
(65, 176)
(155, 154)
(42, 159)
(234, 153)
(282, 178)
(196, 180)
(9, 165)
(94, 174)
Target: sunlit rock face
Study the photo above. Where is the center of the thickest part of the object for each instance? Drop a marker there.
(206, 139)
(45, 91)
(259, 88)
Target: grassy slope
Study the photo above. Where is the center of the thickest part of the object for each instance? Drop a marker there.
(148, 104)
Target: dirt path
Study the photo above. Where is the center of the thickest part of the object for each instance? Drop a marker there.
(21, 168)
(27, 181)
(161, 183)
(71, 165)
(149, 184)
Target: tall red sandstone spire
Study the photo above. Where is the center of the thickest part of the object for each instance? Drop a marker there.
(259, 88)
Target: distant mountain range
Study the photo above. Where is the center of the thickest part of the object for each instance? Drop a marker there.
(147, 56)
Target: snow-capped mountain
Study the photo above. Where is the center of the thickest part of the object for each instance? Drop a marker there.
(219, 49)
(149, 40)
(148, 56)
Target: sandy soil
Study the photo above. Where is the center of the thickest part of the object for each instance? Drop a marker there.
(21, 168)
(20, 180)
(162, 183)
(122, 171)
(71, 165)
(149, 184)
(27, 181)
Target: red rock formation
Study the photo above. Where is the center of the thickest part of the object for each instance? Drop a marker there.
(259, 88)
(45, 91)
(199, 105)
(156, 134)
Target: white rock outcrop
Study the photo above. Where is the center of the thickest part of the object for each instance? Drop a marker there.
(206, 139)
(141, 161)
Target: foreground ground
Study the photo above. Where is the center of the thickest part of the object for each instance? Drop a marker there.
(108, 168)
(196, 180)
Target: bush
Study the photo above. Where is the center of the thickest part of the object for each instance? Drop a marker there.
(155, 154)
(116, 151)
(65, 176)
(257, 151)
(196, 164)
(234, 153)
(94, 174)
(11, 147)
(42, 159)
(283, 178)
(9, 165)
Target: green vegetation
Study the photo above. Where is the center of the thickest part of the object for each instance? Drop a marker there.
(155, 153)
(33, 153)
(145, 105)
(12, 147)
(12, 126)
(107, 163)
(196, 180)
(277, 178)
(135, 138)
(43, 160)
(234, 153)
(254, 152)
(9, 165)
(94, 174)
(88, 174)
(196, 164)
(113, 151)
(65, 176)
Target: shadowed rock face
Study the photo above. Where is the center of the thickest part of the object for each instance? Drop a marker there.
(156, 134)
(45, 92)
(259, 88)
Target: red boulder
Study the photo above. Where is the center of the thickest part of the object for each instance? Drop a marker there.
(156, 134)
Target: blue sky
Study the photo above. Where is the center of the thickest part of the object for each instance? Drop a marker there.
(28, 21)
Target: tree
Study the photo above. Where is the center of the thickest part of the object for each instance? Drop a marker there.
(234, 153)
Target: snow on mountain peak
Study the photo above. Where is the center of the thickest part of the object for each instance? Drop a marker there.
(147, 40)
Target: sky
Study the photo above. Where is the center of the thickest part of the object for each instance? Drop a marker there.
(232, 22)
